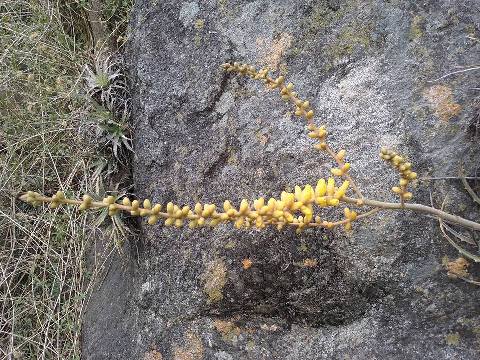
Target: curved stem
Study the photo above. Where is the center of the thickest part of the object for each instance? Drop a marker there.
(417, 208)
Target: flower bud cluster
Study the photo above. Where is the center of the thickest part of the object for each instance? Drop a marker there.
(405, 170)
(350, 216)
(302, 108)
(293, 208)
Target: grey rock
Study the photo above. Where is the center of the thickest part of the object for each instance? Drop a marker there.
(368, 68)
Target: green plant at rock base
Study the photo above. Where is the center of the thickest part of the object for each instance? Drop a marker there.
(296, 208)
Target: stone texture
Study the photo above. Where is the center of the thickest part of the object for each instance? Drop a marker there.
(369, 70)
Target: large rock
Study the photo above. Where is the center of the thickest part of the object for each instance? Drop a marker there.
(370, 70)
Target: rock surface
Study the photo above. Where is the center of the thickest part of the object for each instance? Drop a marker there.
(370, 70)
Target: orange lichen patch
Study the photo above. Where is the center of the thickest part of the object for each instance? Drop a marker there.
(441, 101)
(310, 263)
(457, 268)
(153, 355)
(215, 277)
(272, 52)
(247, 264)
(191, 350)
(227, 329)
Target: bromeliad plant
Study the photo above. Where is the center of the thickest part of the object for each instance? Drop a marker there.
(298, 208)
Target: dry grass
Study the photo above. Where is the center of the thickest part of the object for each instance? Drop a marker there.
(44, 146)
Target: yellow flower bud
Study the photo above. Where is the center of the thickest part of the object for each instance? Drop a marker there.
(147, 204)
(156, 209)
(412, 175)
(307, 194)
(341, 191)
(333, 202)
(239, 222)
(330, 186)
(152, 220)
(403, 182)
(321, 188)
(201, 221)
(341, 154)
(135, 205)
(227, 205)
(396, 190)
(126, 201)
(198, 208)
(178, 223)
(185, 210)
(244, 207)
(345, 167)
(336, 172)
(407, 196)
(169, 221)
(309, 115)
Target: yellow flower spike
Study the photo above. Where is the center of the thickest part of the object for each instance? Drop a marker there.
(407, 196)
(126, 201)
(185, 210)
(227, 205)
(198, 208)
(345, 167)
(169, 222)
(309, 115)
(147, 204)
(244, 207)
(342, 190)
(152, 220)
(330, 186)
(336, 171)
(321, 188)
(396, 190)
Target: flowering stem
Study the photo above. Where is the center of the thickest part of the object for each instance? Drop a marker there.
(417, 208)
